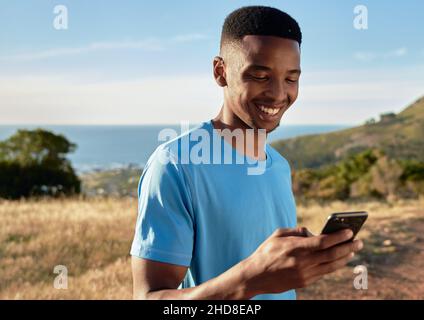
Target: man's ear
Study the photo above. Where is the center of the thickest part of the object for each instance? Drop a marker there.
(219, 71)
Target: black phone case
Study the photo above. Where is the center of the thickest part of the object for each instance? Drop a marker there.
(345, 220)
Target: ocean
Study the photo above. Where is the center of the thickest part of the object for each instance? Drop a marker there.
(114, 146)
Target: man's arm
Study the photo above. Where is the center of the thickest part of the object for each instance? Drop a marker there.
(158, 280)
(286, 260)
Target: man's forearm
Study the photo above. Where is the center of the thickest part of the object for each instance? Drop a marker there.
(230, 285)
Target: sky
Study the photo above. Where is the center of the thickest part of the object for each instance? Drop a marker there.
(150, 62)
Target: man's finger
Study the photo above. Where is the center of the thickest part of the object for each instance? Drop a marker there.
(325, 241)
(308, 233)
(311, 280)
(290, 232)
(334, 253)
(329, 267)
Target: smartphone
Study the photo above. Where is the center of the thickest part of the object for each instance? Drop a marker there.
(345, 220)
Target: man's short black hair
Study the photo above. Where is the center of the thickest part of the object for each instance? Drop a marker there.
(260, 21)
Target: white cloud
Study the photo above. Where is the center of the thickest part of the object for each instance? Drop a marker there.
(352, 96)
(352, 102)
(326, 97)
(150, 44)
(371, 56)
(62, 100)
(188, 37)
(397, 53)
(365, 56)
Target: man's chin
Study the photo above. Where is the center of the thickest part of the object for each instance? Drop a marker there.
(269, 127)
(273, 129)
(254, 123)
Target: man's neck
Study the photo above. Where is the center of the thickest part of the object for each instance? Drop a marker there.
(254, 145)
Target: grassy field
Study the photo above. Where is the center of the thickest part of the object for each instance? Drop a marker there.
(92, 237)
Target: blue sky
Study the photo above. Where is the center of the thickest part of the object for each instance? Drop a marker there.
(135, 62)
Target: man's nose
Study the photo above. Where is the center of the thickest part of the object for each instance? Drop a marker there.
(277, 91)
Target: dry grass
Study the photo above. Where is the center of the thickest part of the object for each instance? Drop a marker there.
(92, 238)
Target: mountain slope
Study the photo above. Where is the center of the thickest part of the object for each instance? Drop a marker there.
(400, 136)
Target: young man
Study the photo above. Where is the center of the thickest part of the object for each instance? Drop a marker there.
(213, 231)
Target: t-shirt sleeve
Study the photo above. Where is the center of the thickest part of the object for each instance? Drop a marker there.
(164, 228)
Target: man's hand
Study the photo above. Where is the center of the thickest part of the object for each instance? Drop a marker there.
(294, 258)
(288, 259)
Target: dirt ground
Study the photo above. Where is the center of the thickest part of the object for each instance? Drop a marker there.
(394, 257)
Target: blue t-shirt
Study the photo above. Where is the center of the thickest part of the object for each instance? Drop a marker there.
(206, 211)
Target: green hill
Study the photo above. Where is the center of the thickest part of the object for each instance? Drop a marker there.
(400, 136)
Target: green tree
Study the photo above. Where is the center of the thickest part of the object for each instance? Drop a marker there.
(33, 162)
(36, 147)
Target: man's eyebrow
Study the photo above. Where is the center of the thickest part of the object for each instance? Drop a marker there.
(258, 67)
(294, 71)
(265, 68)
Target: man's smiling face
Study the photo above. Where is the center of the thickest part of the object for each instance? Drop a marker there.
(262, 79)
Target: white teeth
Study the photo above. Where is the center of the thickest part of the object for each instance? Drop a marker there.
(271, 111)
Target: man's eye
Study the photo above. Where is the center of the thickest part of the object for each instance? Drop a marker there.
(292, 80)
(260, 78)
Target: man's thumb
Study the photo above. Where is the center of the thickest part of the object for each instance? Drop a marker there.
(291, 232)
